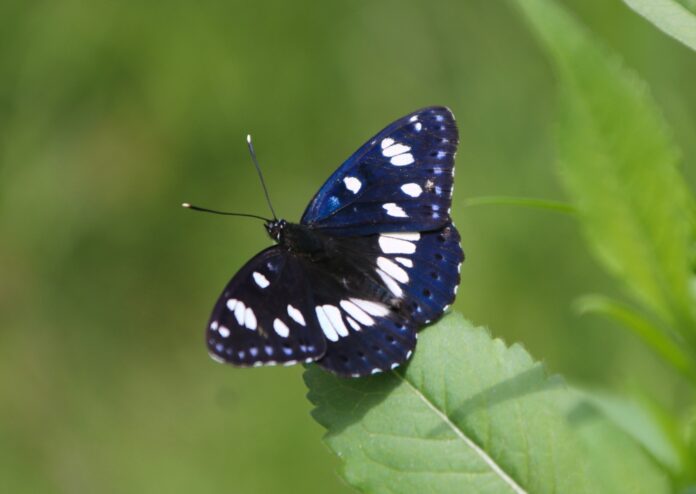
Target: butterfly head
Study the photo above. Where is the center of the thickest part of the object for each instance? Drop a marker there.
(275, 229)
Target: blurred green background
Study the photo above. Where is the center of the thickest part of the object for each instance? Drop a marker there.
(113, 113)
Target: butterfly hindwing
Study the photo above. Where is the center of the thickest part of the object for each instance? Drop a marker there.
(400, 180)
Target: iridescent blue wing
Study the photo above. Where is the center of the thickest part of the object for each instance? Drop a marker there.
(400, 180)
(391, 285)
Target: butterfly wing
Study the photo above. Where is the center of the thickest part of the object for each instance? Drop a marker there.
(261, 316)
(283, 308)
(400, 180)
(355, 310)
(391, 285)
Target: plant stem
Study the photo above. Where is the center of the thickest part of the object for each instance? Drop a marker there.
(529, 202)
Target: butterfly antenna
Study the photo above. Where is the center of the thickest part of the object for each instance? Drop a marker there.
(225, 213)
(258, 170)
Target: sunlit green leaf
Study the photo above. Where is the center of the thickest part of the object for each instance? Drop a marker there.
(670, 17)
(470, 414)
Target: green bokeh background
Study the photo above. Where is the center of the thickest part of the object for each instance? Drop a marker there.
(113, 113)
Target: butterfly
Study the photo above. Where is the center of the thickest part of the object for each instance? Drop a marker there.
(374, 258)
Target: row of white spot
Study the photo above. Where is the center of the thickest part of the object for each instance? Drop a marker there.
(393, 366)
(246, 318)
(354, 185)
(391, 273)
(398, 243)
(281, 328)
(397, 153)
(245, 315)
(417, 126)
(260, 363)
(356, 312)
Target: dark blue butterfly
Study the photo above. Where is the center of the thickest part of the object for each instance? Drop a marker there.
(374, 258)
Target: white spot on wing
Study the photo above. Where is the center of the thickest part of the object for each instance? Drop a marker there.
(326, 325)
(394, 365)
(239, 313)
(353, 324)
(414, 118)
(296, 315)
(359, 314)
(392, 285)
(413, 190)
(281, 328)
(261, 280)
(352, 184)
(404, 261)
(214, 325)
(224, 332)
(393, 245)
(334, 315)
(394, 210)
(387, 142)
(231, 303)
(396, 149)
(402, 159)
(392, 269)
(216, 358)
(372, 308)
(418, 126)
(250, 318)
(409, 353)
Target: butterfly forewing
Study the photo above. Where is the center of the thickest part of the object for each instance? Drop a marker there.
(400, 180)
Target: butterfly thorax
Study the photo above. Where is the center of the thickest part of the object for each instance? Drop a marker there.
(296, 237)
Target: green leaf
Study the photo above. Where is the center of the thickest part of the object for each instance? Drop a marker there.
(617, 463)
(619, 165)
(468, 414)
(640, 423)
(656, 338)
(670, 17)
